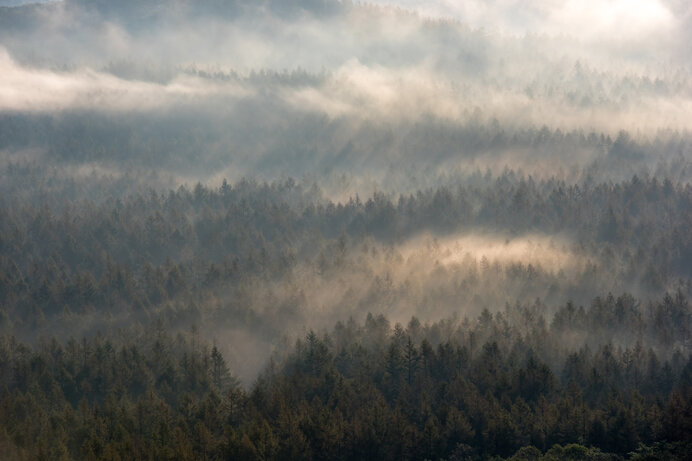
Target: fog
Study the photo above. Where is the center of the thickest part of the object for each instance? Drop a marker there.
(333, 89)
(551, 253)
(358, 98)
(448, 143)
(589, 20)
(375, 63)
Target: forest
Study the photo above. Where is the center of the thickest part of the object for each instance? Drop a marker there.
(500, 386)
(323, 229)
(108, 306)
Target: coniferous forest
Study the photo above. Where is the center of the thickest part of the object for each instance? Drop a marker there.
(323, 229)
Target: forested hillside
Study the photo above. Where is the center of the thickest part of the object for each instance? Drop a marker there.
(118, 291)
(322, 229)
(502, 385)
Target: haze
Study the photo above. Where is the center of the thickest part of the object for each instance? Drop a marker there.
(260, 223)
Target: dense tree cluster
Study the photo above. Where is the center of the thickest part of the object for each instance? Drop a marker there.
(506, 385)
(530, 381)
(141, 250)
(487, 254)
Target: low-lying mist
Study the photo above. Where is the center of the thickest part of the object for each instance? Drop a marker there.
(357, 98)
(255, 265)
(444, 167)
(325, 229)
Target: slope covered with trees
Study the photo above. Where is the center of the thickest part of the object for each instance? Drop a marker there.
(325, 229)
(502, 385)
(112, 286)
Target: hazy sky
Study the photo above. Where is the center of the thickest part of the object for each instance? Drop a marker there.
(366, 79)
(592, 19)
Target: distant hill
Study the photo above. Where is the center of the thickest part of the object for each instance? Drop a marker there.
(21, 2)
(136, 14)
(223, 7)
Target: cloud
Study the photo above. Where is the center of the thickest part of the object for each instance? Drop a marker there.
(379, 93)
(584, 19)
(27, 89)
(375, 92)
(552, 253)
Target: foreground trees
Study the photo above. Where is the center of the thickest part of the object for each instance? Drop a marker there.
(492, 387)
